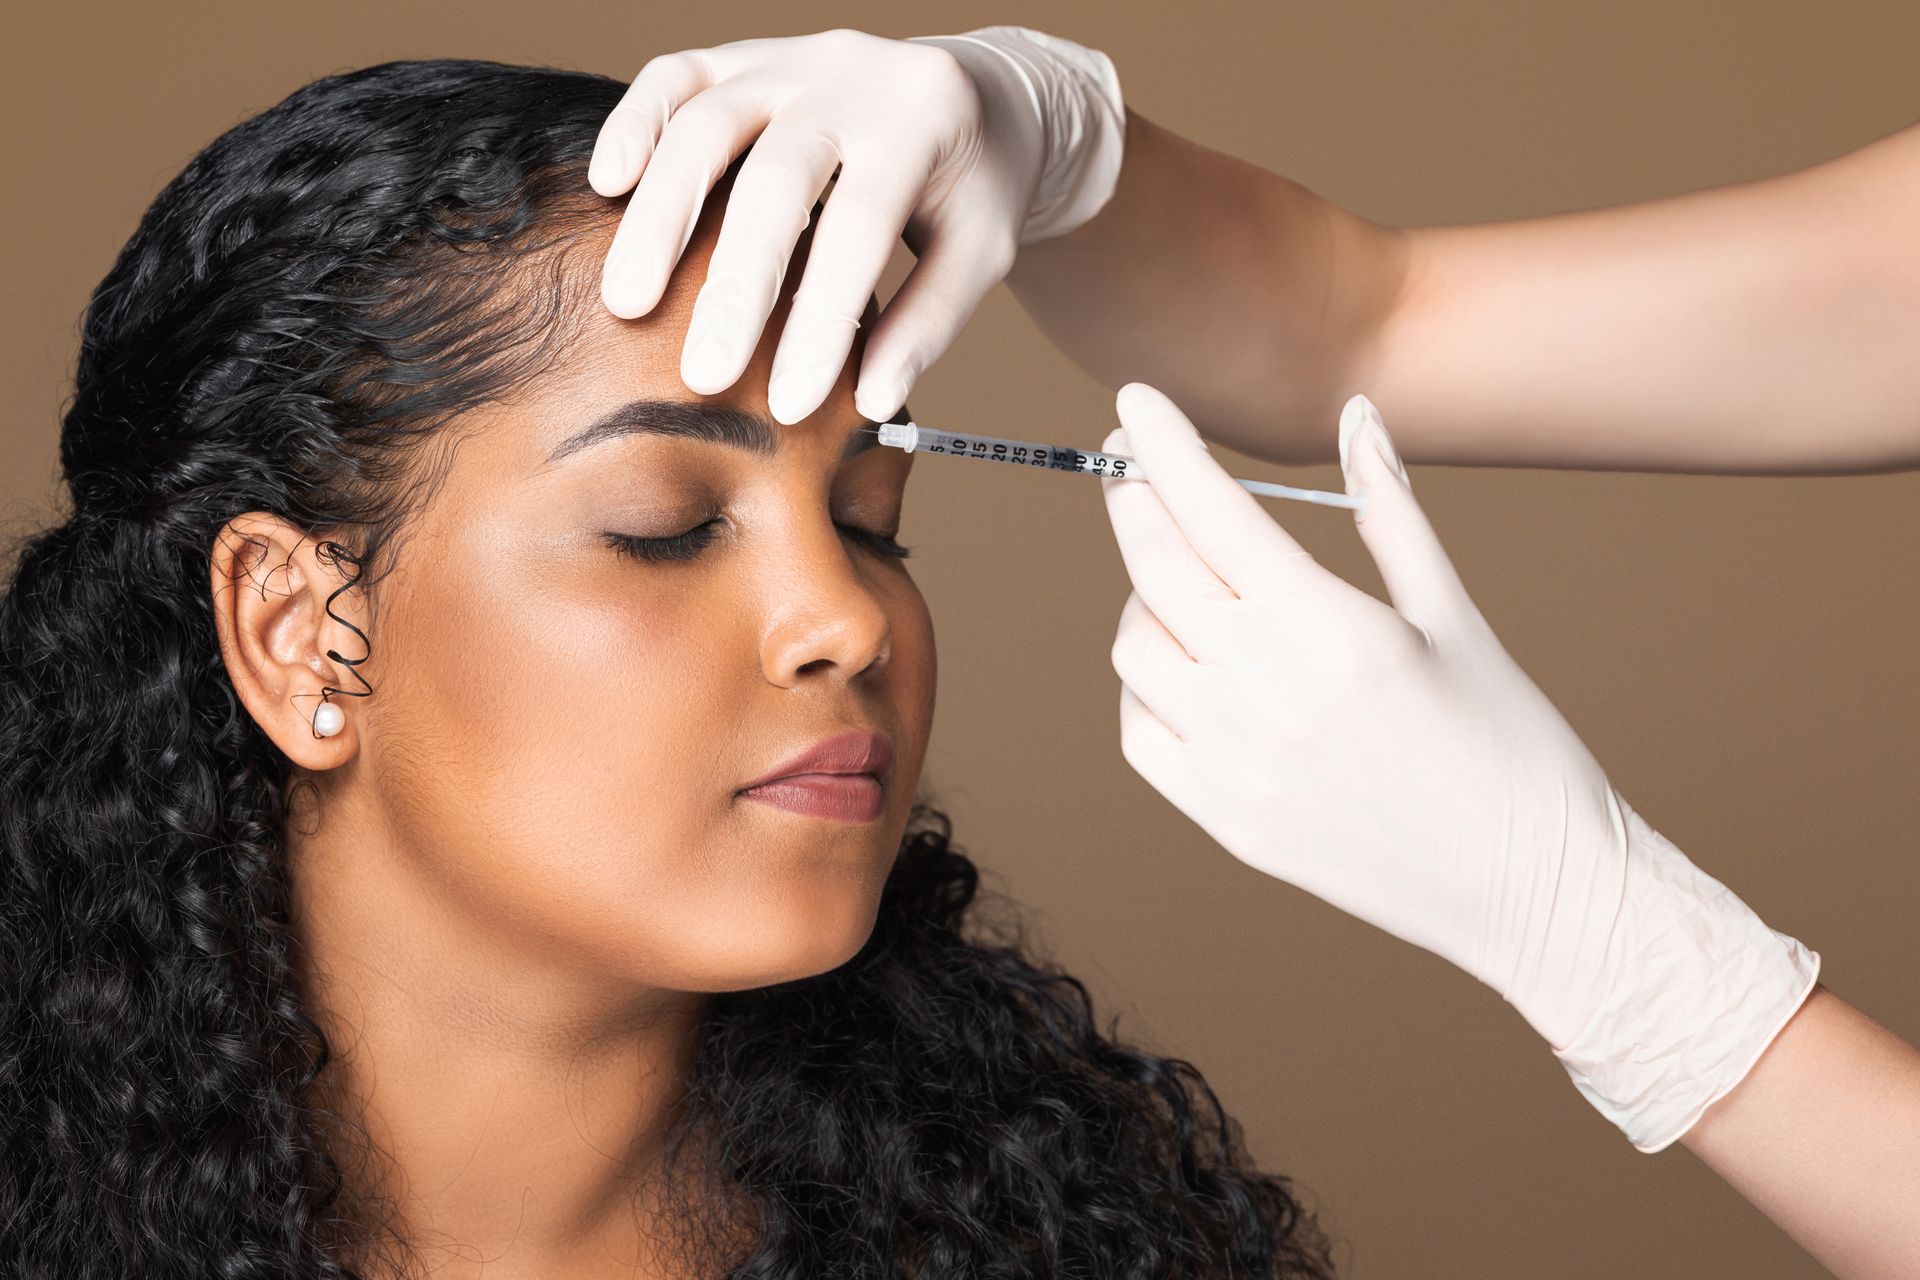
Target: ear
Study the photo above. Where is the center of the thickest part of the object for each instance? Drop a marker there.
(271, 586)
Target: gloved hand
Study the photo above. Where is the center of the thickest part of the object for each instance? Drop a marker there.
(973, 144)
(1397, 763)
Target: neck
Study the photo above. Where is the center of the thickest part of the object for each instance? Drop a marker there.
(515, 1106)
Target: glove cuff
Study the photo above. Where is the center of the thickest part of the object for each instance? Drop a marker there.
(1698, 988)
(1075, 93)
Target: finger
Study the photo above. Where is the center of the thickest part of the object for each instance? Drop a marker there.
(1154, 751)
(628, 134)
(699, 142)
(1419, 575)
(858, 229)
(1169, 764)
(1151, 662)
(1170, 577)
(927, 312)
(1224, 524)
(770, 205)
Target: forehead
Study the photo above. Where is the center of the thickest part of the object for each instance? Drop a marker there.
(568, 421)
(610, 377)
(572, 421)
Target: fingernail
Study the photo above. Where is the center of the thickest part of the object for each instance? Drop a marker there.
(709, 348)
(878, 406)
(789, 398)
(625, 279)
(1140, 403)
(1383, 443)
(802, 378)
(1353, 415)
(1357, 417)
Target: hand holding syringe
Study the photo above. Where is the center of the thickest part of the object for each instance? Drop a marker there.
(1028, 453)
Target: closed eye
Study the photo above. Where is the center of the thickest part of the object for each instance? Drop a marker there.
(688, 545)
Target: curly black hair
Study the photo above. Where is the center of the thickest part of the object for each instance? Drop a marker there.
(296, 322)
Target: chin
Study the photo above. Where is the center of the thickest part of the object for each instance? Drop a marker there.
(807, 934)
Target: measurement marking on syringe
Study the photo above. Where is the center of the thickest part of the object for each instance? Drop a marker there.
(911, 436)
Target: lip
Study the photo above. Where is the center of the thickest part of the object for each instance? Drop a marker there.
(843, 757)
(841, 777)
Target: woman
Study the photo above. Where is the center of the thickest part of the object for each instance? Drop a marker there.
(407, 861)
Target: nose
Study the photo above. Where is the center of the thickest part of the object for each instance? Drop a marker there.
(826, 616)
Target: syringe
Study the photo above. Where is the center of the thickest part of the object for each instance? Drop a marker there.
(1052, 457)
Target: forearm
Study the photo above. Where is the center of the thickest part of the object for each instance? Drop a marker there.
(1763, 327)
(1823, 1136)
(1768, 326)
(1245, 297)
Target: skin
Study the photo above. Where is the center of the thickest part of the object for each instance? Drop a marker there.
(1762, 327)
(529, 866)
(1823, 1136)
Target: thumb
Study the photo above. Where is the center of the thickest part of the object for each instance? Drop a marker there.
(1419, 576)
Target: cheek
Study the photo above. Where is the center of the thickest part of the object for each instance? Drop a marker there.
(550, 753)
(917, 678)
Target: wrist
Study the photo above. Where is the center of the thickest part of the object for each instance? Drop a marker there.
(1380, 271)
(1695, 987)
(1064, 95)
(1406, 300)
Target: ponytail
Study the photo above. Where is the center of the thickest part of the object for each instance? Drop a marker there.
(153, 1053)
(314, 297)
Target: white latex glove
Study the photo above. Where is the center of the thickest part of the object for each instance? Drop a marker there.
(973, 144)
(1397, 763)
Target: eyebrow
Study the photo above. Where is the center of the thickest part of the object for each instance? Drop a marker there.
(707, 423)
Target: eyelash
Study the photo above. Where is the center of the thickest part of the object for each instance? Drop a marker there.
(685, 546)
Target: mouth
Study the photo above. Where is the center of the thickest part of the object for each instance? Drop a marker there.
(843, 777)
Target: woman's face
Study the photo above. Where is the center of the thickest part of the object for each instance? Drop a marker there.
(562, 727)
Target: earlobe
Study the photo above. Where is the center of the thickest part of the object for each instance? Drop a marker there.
(282, 612)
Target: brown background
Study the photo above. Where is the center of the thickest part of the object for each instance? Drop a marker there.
(1740, 653)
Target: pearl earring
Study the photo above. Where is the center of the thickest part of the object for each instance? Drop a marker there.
(328, 720)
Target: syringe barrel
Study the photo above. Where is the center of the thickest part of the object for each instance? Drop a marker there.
(1024, 453)
(1028, 453)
